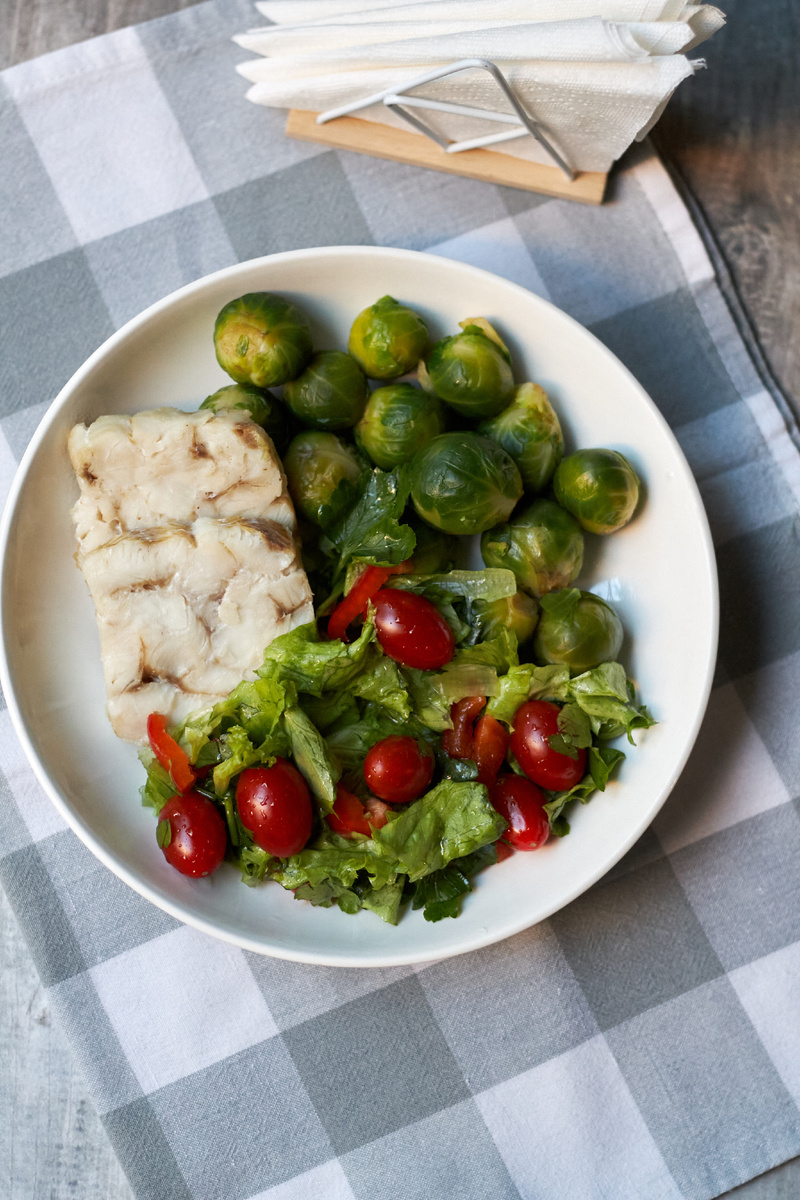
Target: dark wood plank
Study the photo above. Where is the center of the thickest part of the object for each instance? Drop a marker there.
(733, 132)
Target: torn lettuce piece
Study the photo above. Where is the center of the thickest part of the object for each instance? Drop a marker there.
(314, 665)
(331, 856)
(601, 761)
(158, 788)
(527, 682)
(381, 682)
(371, 529)
(440, 894)
(255, 705)
(607, 697)
(491, 583)
(311, 757)
(451, 820)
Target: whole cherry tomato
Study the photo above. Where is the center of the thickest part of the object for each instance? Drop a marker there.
(522, 804)
(411, 630)
(397, 769)
(192, 834)
(275, 805)
(534, 723)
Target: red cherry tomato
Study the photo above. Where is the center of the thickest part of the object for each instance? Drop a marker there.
(192, 834)
(490, 742)
(397, 769)
(171, 756)
(458, 741)
(534, 723)
(348, 814)
(274, 804)
(411, 630)
(522, 804)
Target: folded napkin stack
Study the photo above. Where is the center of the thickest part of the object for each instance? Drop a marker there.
(595, 74)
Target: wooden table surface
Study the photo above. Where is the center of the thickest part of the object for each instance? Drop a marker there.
(733, 136)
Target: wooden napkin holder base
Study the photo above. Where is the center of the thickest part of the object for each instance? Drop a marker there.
(382, 141)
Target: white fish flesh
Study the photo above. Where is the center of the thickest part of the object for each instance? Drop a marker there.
(193, 570)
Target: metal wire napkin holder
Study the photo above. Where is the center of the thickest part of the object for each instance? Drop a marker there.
(398, 100)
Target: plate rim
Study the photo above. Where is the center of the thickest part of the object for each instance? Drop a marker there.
(81, 828)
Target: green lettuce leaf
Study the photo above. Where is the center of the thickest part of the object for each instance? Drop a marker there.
(381, 682)
(491, 583)
(607, 698)
(312, 758)
(371, 529)
(333, 857)
(158, 788)
(440, 894)
(239, 753)
(451, 820)
(314, 665)
(527, 682)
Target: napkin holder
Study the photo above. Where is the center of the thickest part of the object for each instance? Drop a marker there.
(338, 128)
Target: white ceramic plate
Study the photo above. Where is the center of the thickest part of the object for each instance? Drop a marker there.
(659, 572)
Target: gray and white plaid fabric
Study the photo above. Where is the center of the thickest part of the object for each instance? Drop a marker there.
(644, 1042)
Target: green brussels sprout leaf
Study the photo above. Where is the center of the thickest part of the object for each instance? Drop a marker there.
(481, 325)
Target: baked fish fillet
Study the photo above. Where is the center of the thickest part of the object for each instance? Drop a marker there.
(165, 465)
(187, 599)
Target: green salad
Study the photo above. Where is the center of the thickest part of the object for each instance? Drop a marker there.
(433, 718)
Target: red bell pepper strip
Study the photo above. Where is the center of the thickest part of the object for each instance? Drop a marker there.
(458, 741)
(354, 604)
(490, 742)
(172, 757)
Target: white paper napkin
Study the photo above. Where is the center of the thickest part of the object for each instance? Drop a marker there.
(596, 81)
(291, 12)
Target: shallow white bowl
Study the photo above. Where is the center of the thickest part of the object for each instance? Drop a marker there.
(659, 572)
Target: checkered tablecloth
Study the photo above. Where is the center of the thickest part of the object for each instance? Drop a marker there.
(644, 1043)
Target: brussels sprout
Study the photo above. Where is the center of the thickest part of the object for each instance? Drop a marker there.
(397, 422)
(331, 392)
(464, 483)
(316, 464)
(578, 630)
(519, 613)
(599, 487)
(471, 372)
(435, 552)
(262, 339)
(388, 339)
(543, 546)
(264, 408)
(530, 431)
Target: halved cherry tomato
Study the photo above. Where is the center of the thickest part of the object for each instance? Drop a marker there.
(411, 630)
(522, 804)
(490, 742)
(171, 756)
(458, 741)
(192, 834)
(274, 804)
(397, 769)
(348, 814)
(535, 722)
(354, 604)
